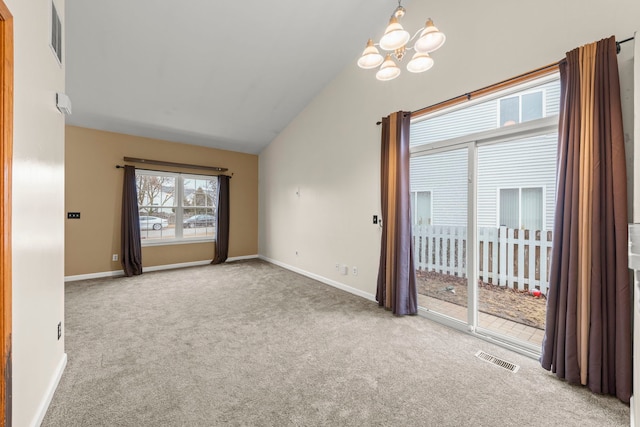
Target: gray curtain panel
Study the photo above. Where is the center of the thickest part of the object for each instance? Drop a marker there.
(222, 221)
(131, 247)
(588, 326)
(397, 290)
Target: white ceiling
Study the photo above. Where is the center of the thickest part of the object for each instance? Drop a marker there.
(228, 75)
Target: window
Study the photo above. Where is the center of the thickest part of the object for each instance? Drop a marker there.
(521, 208)
(175, 207)
(520, 108)
(56, 33)
(518, 104)
(421, 207)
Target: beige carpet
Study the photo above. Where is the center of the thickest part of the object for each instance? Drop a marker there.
(252, 344)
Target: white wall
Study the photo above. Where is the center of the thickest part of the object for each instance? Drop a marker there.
(331, 150)
(37, 211)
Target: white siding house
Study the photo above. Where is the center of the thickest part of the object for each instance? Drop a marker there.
(528, 163)
(444, 175)
(517, 174)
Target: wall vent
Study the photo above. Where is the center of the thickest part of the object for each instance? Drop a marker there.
(56, 33)
(497, 361)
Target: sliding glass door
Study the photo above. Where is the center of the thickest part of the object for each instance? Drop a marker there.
(439, 215)
(483, 199)
(515, 209)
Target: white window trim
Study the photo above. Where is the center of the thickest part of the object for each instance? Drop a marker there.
(520, 130)
(520, 188)
(414, 197)
(179, 239)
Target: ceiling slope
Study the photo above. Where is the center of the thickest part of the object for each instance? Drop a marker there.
(227, 75)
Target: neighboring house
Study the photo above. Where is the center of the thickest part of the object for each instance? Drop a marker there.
(516, 181)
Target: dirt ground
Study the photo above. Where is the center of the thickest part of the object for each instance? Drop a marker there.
(518, 306)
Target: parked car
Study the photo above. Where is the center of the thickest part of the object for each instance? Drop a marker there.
(153, 222)
(199, 221)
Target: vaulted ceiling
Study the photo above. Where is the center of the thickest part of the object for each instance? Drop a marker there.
(228, 75)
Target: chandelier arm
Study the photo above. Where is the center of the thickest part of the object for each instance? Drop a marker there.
(416, 34)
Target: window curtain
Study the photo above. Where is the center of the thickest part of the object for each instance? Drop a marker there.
(588, 327)
(131, 247)
(397, 289)
(222, 221)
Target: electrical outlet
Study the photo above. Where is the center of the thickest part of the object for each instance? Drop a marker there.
(59, 330)
(114, 257)
(354, 270)
(73, 215)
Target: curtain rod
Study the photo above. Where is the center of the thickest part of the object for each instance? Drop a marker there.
(155, 170)
(172, 164)
(469, 95)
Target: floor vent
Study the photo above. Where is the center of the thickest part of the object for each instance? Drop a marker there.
(497, 361)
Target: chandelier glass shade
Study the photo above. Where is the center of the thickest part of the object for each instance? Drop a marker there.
(430, 39)
(370, 58)
(394, 41)
(394, 36)
(389, 70)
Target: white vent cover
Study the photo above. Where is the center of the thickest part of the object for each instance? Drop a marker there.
(497, 361)
(63, 103)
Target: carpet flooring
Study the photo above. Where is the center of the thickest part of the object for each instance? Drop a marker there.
(251, 344)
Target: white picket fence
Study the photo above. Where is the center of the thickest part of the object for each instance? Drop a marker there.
(518, 259)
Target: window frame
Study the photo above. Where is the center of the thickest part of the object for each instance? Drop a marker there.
(55, 41)
(179, 207)
(519, 95)
(520, 188)
(414, 206)
(472, 143)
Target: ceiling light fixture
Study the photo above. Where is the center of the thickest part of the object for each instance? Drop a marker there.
(395, 41)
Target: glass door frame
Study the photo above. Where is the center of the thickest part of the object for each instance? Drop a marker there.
(471, 143)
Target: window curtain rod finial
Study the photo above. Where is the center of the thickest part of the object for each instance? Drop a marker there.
(628, 39)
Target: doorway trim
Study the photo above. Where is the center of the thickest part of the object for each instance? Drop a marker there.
(6, 154)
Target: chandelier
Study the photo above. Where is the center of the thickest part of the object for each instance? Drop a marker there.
(394, 41)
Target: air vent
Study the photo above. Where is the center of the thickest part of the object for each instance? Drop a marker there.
(497, 361)
(56, 33)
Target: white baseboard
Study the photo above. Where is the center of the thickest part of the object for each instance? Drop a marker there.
(117, 273)
(53, 385)
(322, 279)
(240, 258)
(174, 266)
(99, 275)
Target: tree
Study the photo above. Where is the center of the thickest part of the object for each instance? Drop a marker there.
(154, 191)
(202, 198)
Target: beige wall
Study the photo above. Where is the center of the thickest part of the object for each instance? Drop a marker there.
(37, 212)
(94, 188)
(331, 150)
